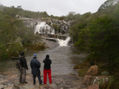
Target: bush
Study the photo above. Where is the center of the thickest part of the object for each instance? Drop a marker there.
(14, 35)
(37, 46)
(97, 34)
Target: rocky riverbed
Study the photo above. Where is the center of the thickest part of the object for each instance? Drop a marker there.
(59, 82)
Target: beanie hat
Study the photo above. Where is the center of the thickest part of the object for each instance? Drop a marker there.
(35, 55)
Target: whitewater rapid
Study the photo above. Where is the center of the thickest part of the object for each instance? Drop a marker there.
(63, 43)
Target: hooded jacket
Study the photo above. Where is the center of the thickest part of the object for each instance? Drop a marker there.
(35, 66)
(47, 63)
(23, 62)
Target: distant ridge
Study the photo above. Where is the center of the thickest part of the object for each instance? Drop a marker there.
(108, 3)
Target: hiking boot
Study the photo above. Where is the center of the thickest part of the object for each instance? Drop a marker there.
(25, 82)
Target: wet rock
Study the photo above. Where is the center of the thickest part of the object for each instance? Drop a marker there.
(16, 87)
(61, 88)
(59, 82)
(53, 86)
(1, 87)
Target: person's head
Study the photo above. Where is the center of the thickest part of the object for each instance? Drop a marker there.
(22, 54)
(34, 55)
(92, 63)
(47, 56)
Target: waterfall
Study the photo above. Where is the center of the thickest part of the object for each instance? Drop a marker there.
(44, 28)
(63, 43)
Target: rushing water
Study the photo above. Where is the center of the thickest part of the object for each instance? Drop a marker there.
(43, 28)
(63, 60)
(63, 43)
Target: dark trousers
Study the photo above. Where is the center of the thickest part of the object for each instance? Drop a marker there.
(22, 78)
(39, 79)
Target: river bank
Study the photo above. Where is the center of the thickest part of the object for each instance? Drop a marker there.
(59, 82)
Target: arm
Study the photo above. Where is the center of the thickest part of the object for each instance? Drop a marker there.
(25, 63)
(50, 61)
(38, 64)
(21, 63)
(43, 61)
(31, 64)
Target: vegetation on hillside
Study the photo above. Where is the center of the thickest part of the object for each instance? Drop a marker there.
(13, 11)
(14, 35)
(98, 34)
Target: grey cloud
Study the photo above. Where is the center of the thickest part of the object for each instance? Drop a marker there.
(57, 7)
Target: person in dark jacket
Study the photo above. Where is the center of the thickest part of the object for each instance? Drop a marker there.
(35, 66)
(23, 68)
(47, 69)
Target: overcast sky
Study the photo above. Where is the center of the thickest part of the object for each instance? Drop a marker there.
(57, 7)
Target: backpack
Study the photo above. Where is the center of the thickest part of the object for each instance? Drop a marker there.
(18, 65)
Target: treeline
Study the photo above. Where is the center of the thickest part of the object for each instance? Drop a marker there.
(13, 11)
(14, 35)
(98, 35)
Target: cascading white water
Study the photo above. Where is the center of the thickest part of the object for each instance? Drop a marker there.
(44, 28)
(63, 43)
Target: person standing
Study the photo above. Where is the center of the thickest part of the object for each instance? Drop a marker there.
(22, 68)
(35, 66)
(47, 69)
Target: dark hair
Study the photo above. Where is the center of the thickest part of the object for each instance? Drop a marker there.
(35, 57)
(92, 63)
(47, 56)
(22, 54)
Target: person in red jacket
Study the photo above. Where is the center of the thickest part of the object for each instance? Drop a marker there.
(47, 69)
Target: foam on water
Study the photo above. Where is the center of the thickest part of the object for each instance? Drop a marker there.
(63, 43)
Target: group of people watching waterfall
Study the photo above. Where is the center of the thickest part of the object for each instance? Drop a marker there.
(35, 69)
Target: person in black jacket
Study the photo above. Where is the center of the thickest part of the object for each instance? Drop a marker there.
(23, 68)
(35, 66)
(47, 69)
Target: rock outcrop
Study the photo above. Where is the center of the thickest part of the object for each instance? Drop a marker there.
(46, 25)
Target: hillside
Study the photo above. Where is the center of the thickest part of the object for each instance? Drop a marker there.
(15, 35)
(109, 4)
(13, 11)
(97, 34)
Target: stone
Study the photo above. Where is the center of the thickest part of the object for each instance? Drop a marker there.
(1, 86)
(54, 86)
(16, 87)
